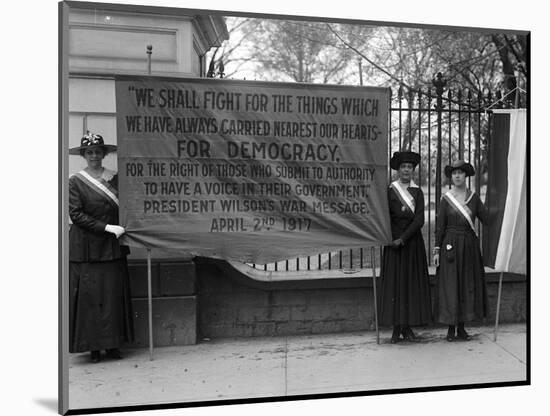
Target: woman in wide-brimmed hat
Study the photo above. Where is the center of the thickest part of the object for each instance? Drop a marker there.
(405, 295)
(100, 310)
(461, 290)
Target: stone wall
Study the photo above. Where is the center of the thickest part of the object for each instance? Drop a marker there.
(203, 299)
(174, 303)
(231, 306)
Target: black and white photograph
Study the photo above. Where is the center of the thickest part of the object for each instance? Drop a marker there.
(274, 206)
(262, 210)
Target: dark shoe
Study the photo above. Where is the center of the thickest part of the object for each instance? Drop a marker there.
(114, 353)
(395, 335)
(408, 334)
(95, 356)
(461, 332)
(463, 335)
(450, 333)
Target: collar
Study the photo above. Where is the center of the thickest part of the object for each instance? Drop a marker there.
(411, 184)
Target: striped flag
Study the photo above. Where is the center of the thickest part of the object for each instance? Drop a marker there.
(505, 238)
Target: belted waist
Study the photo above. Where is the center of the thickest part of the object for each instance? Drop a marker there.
(457, 229)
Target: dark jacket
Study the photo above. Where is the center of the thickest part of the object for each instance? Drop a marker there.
(404, 223)
(90, 211)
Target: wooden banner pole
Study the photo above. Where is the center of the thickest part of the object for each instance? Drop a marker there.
(373, 263)
(498, 304)
(150, 304)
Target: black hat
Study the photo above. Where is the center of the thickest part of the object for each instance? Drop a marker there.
(461, 165)
(404, 157)
(91, 140)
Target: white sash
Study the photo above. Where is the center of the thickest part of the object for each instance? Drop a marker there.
(98, 185)
(404, 196)
(465, 211)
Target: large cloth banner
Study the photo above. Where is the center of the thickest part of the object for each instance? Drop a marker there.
(251, 171)
(505, 238)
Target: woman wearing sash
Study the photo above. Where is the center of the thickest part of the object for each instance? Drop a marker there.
(461, 290)
(405, 297)
(100, 310)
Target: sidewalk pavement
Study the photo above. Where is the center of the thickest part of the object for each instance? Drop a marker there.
(222, 369)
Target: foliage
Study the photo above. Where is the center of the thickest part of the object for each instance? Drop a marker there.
(320, 52)
(474, 65)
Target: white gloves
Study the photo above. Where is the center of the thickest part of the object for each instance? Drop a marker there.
(117, 230)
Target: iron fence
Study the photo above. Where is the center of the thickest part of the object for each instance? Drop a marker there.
(441, 125)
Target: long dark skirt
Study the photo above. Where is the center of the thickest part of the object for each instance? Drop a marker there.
(100, 306)
(461, 288)
(405, 292)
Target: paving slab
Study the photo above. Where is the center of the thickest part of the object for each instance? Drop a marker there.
(278, 366)
(511, 338)
(355, 364)
(227, 369)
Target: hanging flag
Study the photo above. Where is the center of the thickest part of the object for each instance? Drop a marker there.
(505, 238)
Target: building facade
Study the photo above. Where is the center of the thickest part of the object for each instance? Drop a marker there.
(104, 43)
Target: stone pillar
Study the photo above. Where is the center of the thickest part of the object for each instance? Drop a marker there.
(174, 291)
